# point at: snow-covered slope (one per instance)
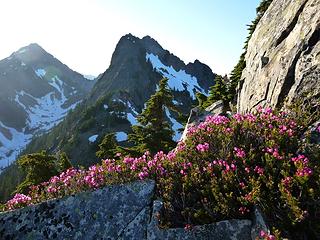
(178, 80)
(37, 91)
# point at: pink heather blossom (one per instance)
(286, 181)
(274, 152)
(247, 170)
(301, 159)
(188, 227)
(318, 128)
(304, 172)
(171, 155)
(217, 120)
(238, 117)
(239, 152)
(18, 199)
(191, 130)
(250, 117)
(203, 147)
(51, 189)
(242, 185)
(267, 110)
(243, 210)
(266, 236)
(259, 170)
(143, 175)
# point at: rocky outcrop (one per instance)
(283, 56)
(232, 229)
(125, 211)
(198, 115)
(116, 212)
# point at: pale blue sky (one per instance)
(83, 33)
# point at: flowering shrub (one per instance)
(19, 200)
(224, 168)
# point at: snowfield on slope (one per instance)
(47, 112)
(178, 81)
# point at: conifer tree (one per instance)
(218, 91)
(64, 162)
(154, 133)
(107, 147)
(39, 167)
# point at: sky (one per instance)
(83, 33)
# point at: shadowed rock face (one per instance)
(283, 61)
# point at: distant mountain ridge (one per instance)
(119, 95)
(113, 104)
(37, 91)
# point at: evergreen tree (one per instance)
(202, 99)
(154, 133)
(107, 147)
(39, 167)
(64, 162)
(218, 91)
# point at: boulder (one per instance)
(114, 212)
(225, 230)
(198, 115)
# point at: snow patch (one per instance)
(105, 106)
(121, 136)
(89, 77)
(23, 64)
(40, 72)
(93, 138)
(22, 50)
(132, 119)
(177, 103)
(132, 108)
(11, 148)
(178, 81)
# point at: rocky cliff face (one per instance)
(36, 92)
(283, 57)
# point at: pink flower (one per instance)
(304, 172)
(203, 147)
(259, 170)
(301, 158)
(188, 227)
(239, 152)
(18, 199)
(243, 210)
(287, 181)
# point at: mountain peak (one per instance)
(32, 47)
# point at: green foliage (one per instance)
(64, 162)
(218, 91)
(39, 167)
(202, 99)
(107, 147)
(87, 124)
(153, 131)
(222, 170)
